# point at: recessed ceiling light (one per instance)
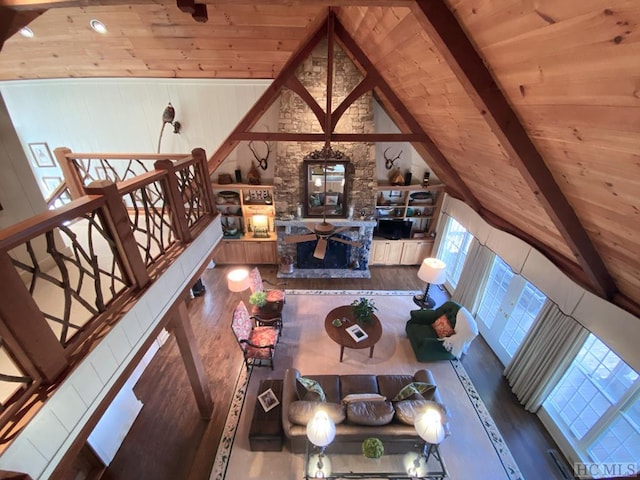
(98, 26)
(26, 32)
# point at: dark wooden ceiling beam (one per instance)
(293, 84)
(319, 31)
(40, 4)
(467, 64)
(11, 21)
(440, 165)
(363, 87)
(319, 137)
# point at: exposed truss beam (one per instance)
(39, 4)
(442, 166)
(452, 43)
(271, 94)
(320, 137)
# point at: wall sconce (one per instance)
(167, 117)
(260, 226)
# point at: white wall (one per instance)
(19, 193)
(125, 115)
(410, 160)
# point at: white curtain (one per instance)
(443, 222)
(473, 277)
(544, 355)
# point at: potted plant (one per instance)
(372, 447)
(259, 299)
(363, 309)
(286, 264)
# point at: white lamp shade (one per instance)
(429, 426)
(321, 430)
(238, 280)
(260, 221)
(433, 271)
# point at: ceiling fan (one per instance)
(323, 231)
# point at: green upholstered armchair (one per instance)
(424, 340)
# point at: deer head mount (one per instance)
(263, 162)
(389, 163)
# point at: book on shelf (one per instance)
(357, 333)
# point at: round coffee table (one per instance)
(342, 337)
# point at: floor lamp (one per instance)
(432, 271)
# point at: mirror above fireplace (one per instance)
(325, 187)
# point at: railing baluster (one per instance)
(27, 324)
(116, 218)
(71, 175)
(173, 195)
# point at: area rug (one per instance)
(475, 448)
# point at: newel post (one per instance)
(24, 319)
(117, 223)
(173, 196)
(201, 155)
(70, 172)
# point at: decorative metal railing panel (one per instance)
(116, 170)
(74, 270)
(84, 278)
(150, 221)
(13, 379)
(192, 188)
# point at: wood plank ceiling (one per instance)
(567, 74)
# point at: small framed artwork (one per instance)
(268, 400)
(395, 193)
(42, 155)
(331, 199)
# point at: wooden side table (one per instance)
(270, 315)
(265, 433)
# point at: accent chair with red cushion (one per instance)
(441, 334)
(257, 343)
(257, 285)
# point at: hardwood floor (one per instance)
(170, 441)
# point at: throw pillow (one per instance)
(408, 410)
(306, 386)
(301, 411)
(359, 397)
(443, 327)
(370, 413)
(413, 390)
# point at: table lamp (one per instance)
(432, 271)
(238, 280)
(321, 431)
(429, 426)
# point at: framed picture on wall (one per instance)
(331, 199)
(42, 155)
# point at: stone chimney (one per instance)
(296, 116)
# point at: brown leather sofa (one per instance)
(349, 436)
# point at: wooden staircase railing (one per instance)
(93, 255)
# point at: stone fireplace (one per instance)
(355, 265)
(296, 116)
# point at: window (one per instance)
(453, 250)
(596, 406)
(507, 310)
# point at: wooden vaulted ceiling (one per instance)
(529, 111)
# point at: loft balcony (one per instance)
(86, 289)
